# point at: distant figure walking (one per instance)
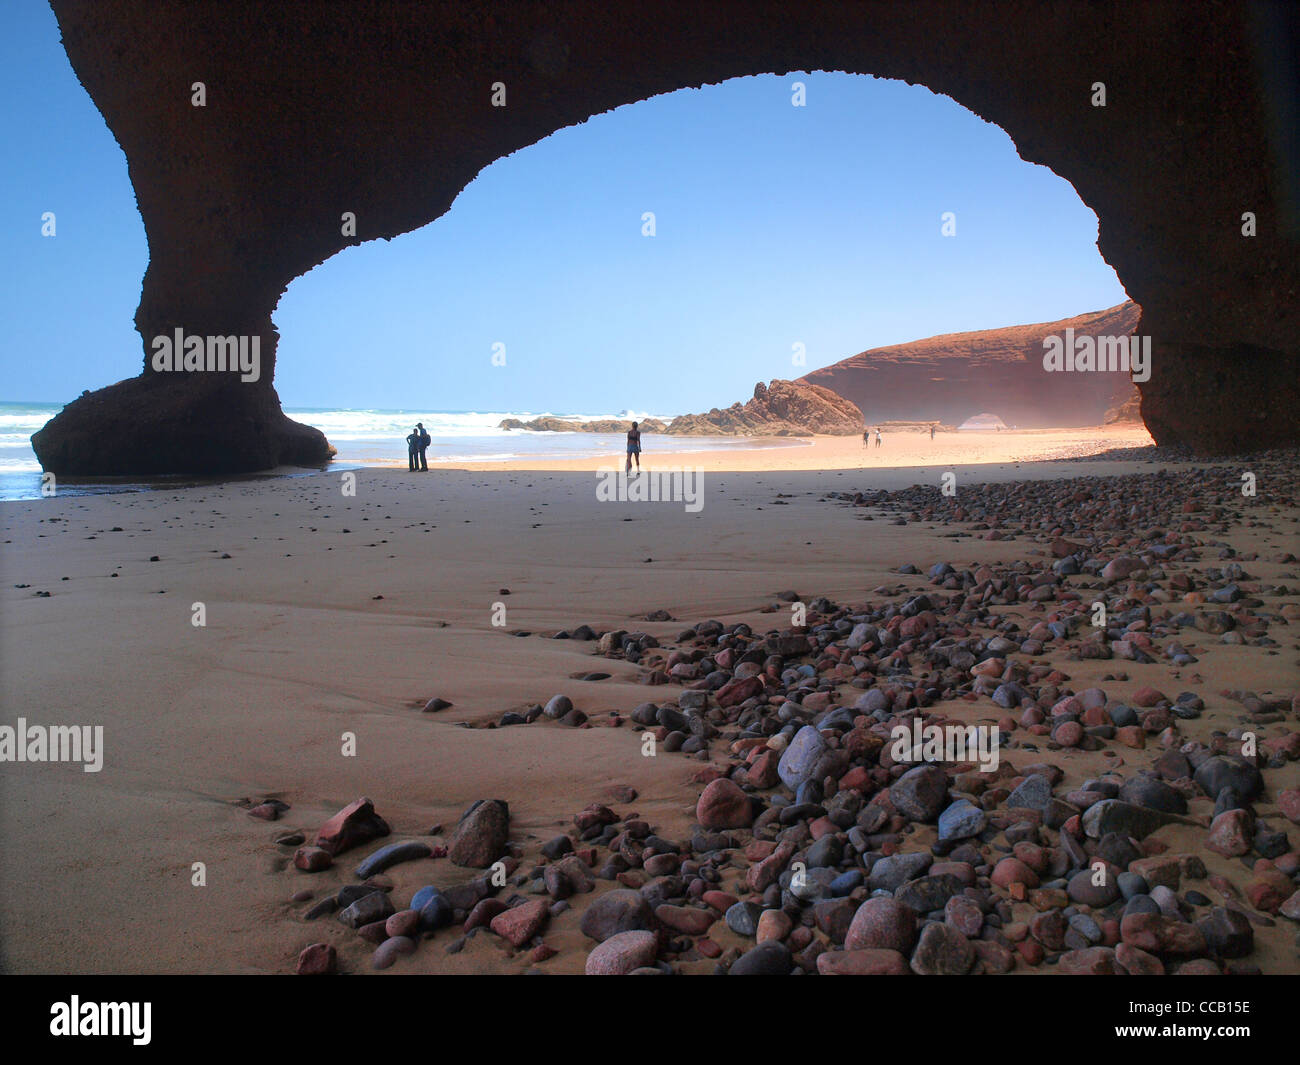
(866, 437)
(932, 432)
(634, 448)
(877, 436)
(425, 441)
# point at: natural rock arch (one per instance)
(385, 110)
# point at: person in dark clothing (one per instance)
(425, 441)
(634, 447)
(412, 450)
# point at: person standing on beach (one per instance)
(866, 437)
(424, 441)
(877, 436)
(634, 447)
(412, 449)
(932, 432)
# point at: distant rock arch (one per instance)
(983, 421)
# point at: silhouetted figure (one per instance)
(932, 432)
(634, 448)
(425, 441)
(413, 450)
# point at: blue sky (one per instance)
(775, 225)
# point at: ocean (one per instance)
(373, 438)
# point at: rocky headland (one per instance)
(949, 378)
(782, 408)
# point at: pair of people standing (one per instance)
(866, 438)
(416, 445)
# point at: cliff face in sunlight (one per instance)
(950, 378)
(383, 112)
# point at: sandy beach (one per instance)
(331, 616)
(897, 449)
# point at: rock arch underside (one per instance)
(384, 109)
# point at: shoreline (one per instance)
(834, 453)
(904, 450)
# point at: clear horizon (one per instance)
(775, 226)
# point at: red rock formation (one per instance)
(952, 377)
(783, 408)
(385, 110)
(1130, 410)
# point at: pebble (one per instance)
(767, 959)
(723, 805)
(920, 793)
(742, 918)
(617, 911)
(1227, 933)
(482, 913)
(942, 951)
(312, 859)
(800, 758)
(519, 924)
(355, 824)
(961, 820)
(1095, 888)
(375, 906)
(1219, 772)
(892, 871)
(391, 855)
(1090, 961)
(882, 923)
(622, 953)
(319, 959)
(866, 962)
(481, 835)
(688, 920)
(436, 911)
(390, 950)
(403, 923)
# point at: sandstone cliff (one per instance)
(952, 377)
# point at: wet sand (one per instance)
(329, 614)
